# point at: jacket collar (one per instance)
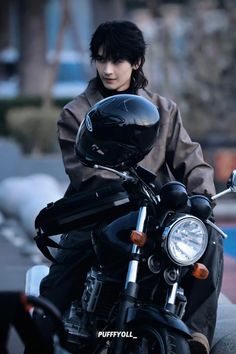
(93, 94)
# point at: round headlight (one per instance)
(186, 240)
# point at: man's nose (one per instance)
(108, 68)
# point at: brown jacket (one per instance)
(174, 155)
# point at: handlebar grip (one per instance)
(14, 309)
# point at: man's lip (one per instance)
(108, 79)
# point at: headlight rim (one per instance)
(167, 233)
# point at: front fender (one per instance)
(156, 317)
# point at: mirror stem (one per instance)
(221, 194)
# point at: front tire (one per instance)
(160, 340)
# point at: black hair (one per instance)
(121, 40)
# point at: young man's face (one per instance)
(114, 75)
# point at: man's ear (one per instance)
(137, 65)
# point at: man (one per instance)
(118, 50)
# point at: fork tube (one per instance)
(133, 264)
(131, 287)
(170, 306)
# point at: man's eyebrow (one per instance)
(114, 59)
(100, 57)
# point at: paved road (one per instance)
(13, 267)
(12, 274)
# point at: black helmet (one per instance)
(118, 131)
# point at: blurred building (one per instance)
(74, 64)
(191, 48)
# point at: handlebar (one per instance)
(214, 226)
(15, 311)
(123, 175)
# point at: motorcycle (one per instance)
(145, 243)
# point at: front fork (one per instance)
(133, 264)
(131, 287)
(176, 300)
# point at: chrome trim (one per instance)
(133, 264)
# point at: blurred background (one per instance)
(44, 63)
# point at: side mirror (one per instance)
(231, 184)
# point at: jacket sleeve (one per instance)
(68, 127)
(185, 159)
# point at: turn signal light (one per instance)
(27, 306)
(138, 238)
(200, 271)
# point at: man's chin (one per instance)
(110, 86)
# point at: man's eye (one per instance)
(101, 59)
(119, 61)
